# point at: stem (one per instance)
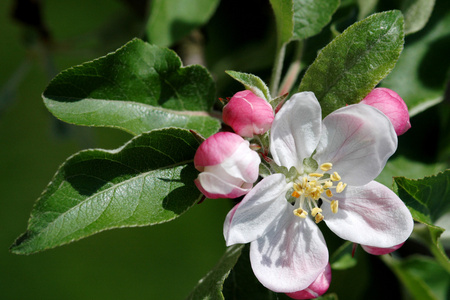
(293, 71)
(276, 71)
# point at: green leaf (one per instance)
(252, 83)
(210, 286)
(417, 13)
(349, 67)
(138, 88)
(310, 16)
(422, 276)
(150, 180)
(427, 200)
(170, 20)
(284, 17)
(421, 73)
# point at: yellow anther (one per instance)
(318, 175)
(300, 213)
(335, 176)
(312, 183)
(297, 187)
(329, 193)
(327, 184)
(315, 211)
(296, 194)
(318, 218)
(326, 166)
(334, 206)
(340, 187)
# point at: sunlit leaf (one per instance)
(150, 180)
(349, 67)
(138, 88)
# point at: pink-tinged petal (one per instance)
(296, 130)
(380, 251)
(259, 208)
(392, 105)
(215, 187)
(290, 256)
(357, 140)
(243, 164)
(216, 149)
(317, 288)
(248, 114)
(371, 215)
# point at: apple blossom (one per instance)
(315, 289)
(248, 114)
(228, 166)
(326, 171)
(392, 105)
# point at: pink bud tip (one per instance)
(227, 164)
(392, 105)
(317, 288)
(380, 251)
(248, 114)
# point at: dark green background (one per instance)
(160, 262)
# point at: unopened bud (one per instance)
(248, 114)
(392, 105)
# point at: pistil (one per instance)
(310, 187)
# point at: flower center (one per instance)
(308, 188)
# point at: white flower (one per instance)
(329, 167)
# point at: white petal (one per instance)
(214, 187)
(357, 140)
(259, 208)
(291, 255)
(244, 163)
(371, 215)
(296, 130)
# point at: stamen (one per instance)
(318, 175)
(326, 166)
(300, 213)
(315, 211)
(329, 193)
(295, 194)
(327, 184)
(335, 177)
(340, 187)
(318, 218)
(334, 206)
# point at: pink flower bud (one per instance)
(317, 288)
(392, 105)
(227, 164)
(380, 251)
(248, 114)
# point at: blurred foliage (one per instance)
(42, 38)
